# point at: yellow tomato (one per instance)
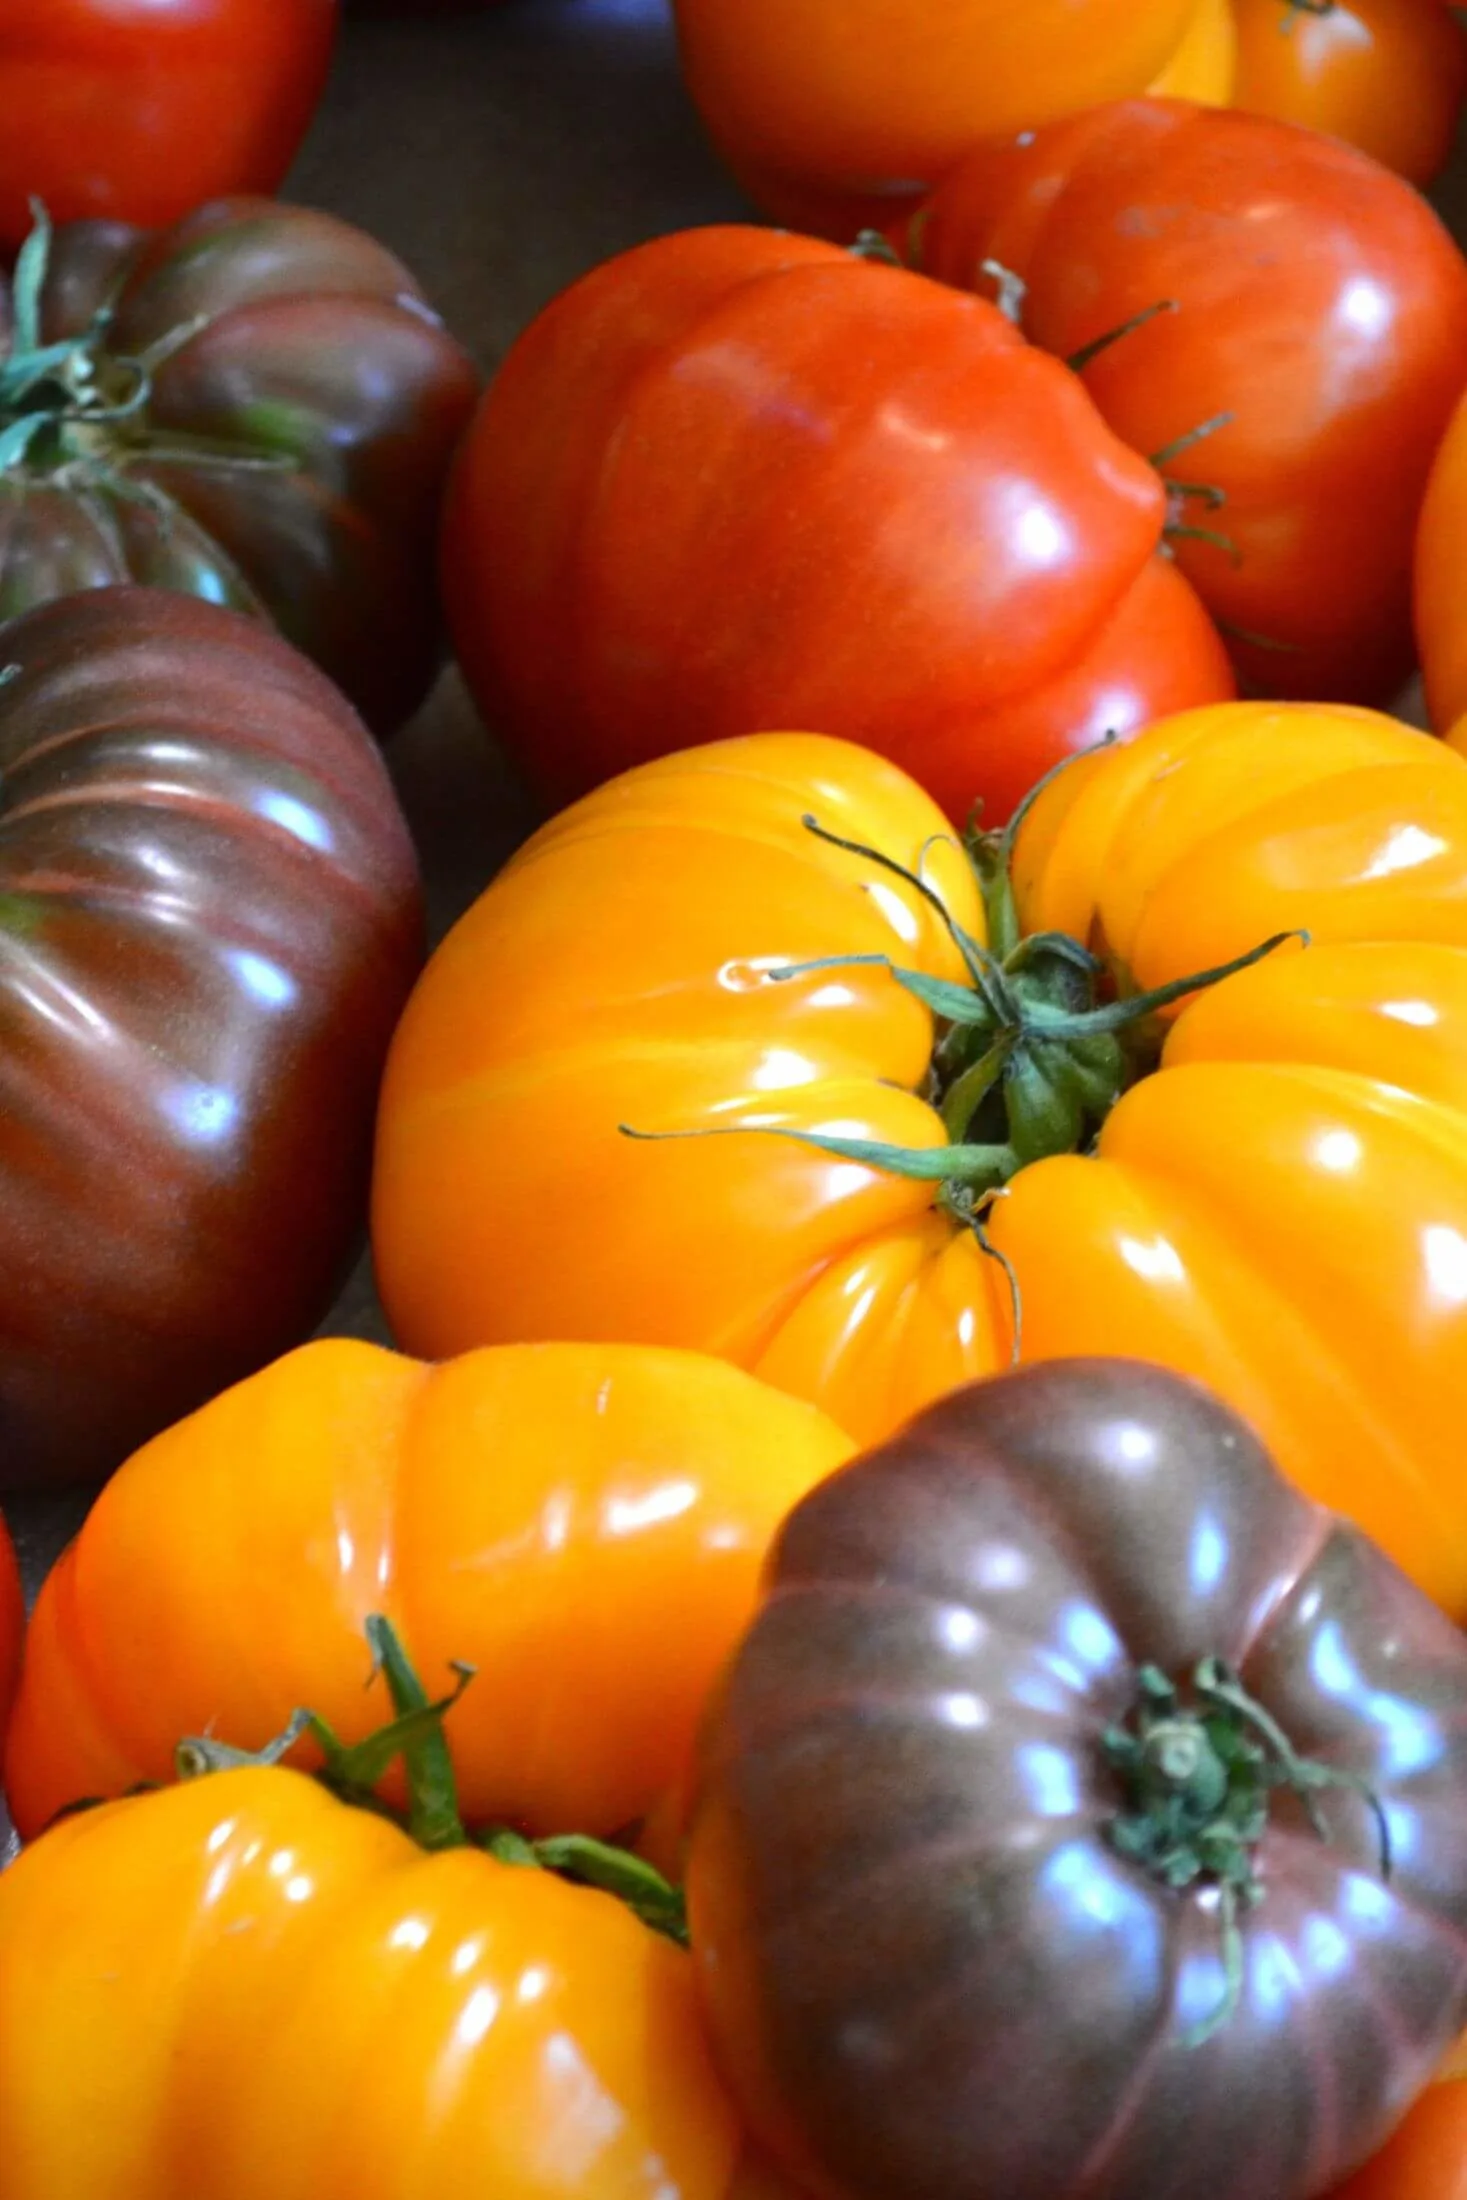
(242, 1989)
(1203, 64)
(1280, 1209)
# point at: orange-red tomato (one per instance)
(242, 1988)
(1441, 577)
(1318, 326)
(1427, 2158)
(733, 476)
(137, 110)
(1280, 1210)
(12, 1622)
(1386, 75)
(584, 1524)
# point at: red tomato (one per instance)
(1321, 322)
(139, 109)
(1427, 2158)
(735, 479)
(11, 1625)
(1441, 578)
(1387, 75)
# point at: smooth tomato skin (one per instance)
(1203, 65)
(1159, 654)
(136, 110)
(733, 476)
(210, 918)
(1427, 2158)
(244, 1972)
(556, 1516)
(1440, 586)
(1388, 76)
(831, 113)
(887, 1897)
(12, 1627)
(617, 973)
(1320, 304)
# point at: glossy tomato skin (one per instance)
(12, 1624)
(1304, 1111)
(779, 483)
(1440, 591)
(1320, 311)
(1427, 2157)
(927, 1967)
(832, 114)
(251, 1969)
(1388, 76)
(209, 919)
(136, 110)
(290, 457)
(556, 1516)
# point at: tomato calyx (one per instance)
(75, 411)
(600, 1864)
(1198, 1779)
(353, 1772)
(1032, 1053)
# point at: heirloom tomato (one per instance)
(245, 1973)
(1085, 1812)
(256, 407)
(12, 1621)
(135, 110)
(1294, 324)
(839, 114)
(780, 936)
(209, 920)
(1386, 75)
(1441, 577)
(1427, 2158)
(584, 1524)
(833, 112)
(734, 478)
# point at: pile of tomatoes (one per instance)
(892, 1627)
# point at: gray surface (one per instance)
(501, 155)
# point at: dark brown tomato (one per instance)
(209, 920)
(264, 419)
(936, 1957)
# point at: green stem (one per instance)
(416, 1735)
(1087, 354)
(600, 1864)
(1197, 1780)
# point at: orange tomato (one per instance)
(1280, 1210)
(1387, 75)
(244, 1988)
(832, 112)
(1427, 2158)
(838, 114)
(1441, 577)
(583, 1524)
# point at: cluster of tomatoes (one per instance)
(894, 1628)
